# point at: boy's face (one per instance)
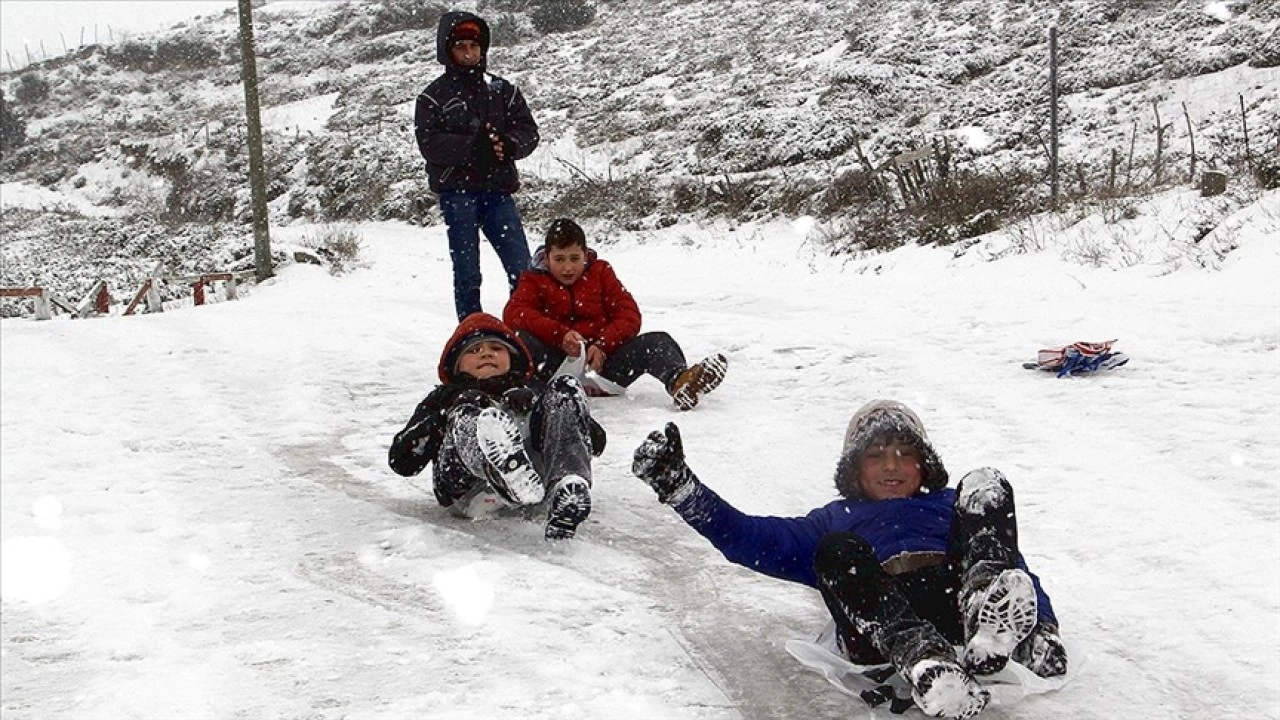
(465, 52)
(890, 469)
(485, 359)
(567, 264)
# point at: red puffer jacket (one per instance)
(597, 306)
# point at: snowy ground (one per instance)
(198, 521)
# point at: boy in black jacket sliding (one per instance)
(470, 428)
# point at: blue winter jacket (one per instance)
(785, 547)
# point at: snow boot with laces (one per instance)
(942, 688)
(570, 504)
(698, 380)
(997, 619)
(513, 476)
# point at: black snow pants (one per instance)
(562, 439)
(654, 353)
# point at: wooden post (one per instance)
(154, 303)
(98, 300)
(1244, 120)
(257, 171)
(1158, 172)
(38, 294)
(1128, 172)
(43, 311)
(1053, 117)
(1191, 135)
(138, 297)
(197, 292)
(1111, 172)
(102, 301)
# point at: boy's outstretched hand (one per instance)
(659, 461)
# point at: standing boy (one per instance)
(471, 127)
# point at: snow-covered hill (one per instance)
(660, 109)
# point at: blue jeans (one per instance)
(466, 214)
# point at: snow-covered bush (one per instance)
(338, 245)
(555, 16)
(13, 130)
(31, 89)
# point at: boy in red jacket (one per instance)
(570, 302)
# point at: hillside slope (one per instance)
(656, 112)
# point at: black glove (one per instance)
(1042, 652)
(519, 399)
(659, 461)
(472, 397)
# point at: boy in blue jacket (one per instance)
(908, 567)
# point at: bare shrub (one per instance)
(795, 197)
(13, 129)
(850, 189)
(688, 195)
(505, 31)
(31, 89)
(879, 231)
(339, 245)
(616, 199)
(555, 16)
(972, 204)
(735, 197)
(396, 15)
(178, 52)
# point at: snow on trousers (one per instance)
(655, 353)
(916, 615)
(465, 215)
(559, 442)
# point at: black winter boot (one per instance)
(997, 600)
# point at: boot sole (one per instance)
(514, 477)
(710, 373)
(1005, 618)
(570, 506)
(944, 689)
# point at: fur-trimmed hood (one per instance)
(482, 325)
(880, 420)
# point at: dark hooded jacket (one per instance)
(785, 547)
(418, 444)
(451, 114)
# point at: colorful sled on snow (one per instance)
(1080, 357)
